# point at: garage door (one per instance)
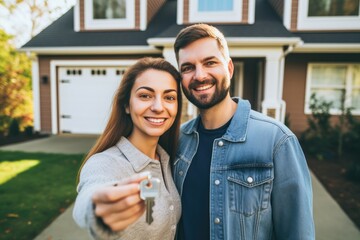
(85, 96)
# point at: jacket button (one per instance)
(217, 220)
(221, 143)
(217, 182)
(181, 173)
(250, 179)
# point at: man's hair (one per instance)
(195, 32)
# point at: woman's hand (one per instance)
(120, 205)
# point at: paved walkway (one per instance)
(331, 222)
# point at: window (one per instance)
(330, 82)
(333, 8)
(109, 14)
(329, 15)
(215, 10)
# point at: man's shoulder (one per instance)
(268, 122)
(188, 125)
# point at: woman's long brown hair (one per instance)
(120, 123)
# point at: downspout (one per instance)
(281, 82)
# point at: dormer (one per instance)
(100, 15)
(319, 15)
(215, 11)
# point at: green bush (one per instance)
(14, 129)
(320, 137)
(29, 130)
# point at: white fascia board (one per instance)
(163, 42)
(92, 50)
(327, 48)
(255, 41)
(235, 41)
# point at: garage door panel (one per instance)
(85, 99)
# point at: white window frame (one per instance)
(100, 24)
(325, 23)
(212, 16)
(348, 87)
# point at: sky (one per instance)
(18, 22)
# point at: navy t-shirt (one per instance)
(195, 220)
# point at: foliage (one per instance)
(14, 129)
(15, 86)
(319, 138)
(26, 18)
(328, 141)
(38, 188)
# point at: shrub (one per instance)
(14, 129)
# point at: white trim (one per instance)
(78, 63)
(347, 86)
(328, 48)
(100, 50)
(287, 14)
(143, 15)
(180, 12)
(239, 85)
(235, 41)
(101, 24)
(251, 10)
(224, 16)
(36, 93)
(77, 16)
(304, 22)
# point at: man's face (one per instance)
(205, 73)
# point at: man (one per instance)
(241, 175)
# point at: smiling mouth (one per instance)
(155, 120)
(204, 87)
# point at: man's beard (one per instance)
(206, 101)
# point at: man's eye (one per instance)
(210, 63)
(186, 69)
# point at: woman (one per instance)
(140, 138)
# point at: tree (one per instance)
(26, 18)
(15, 86)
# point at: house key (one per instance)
(149, 190)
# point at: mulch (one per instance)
(332, 175)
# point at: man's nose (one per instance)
(200, 74)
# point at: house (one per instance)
(283, 51)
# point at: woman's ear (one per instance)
(127, 110)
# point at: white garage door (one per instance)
(85, 97)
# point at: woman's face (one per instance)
(153, 103)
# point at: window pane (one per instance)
(215, 5)
(325, 75)
(356, 76)
(333, 8)
(328, 95)
(355, 99)
(109, 9)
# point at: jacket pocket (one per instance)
(249, 187)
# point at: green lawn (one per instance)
(34, 189)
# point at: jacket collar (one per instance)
(237, 129)
(136, 158)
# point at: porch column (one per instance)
(273, 105)
(36, 92)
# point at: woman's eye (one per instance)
(144, 96)
(170, 98)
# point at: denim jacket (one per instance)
(260, 182)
